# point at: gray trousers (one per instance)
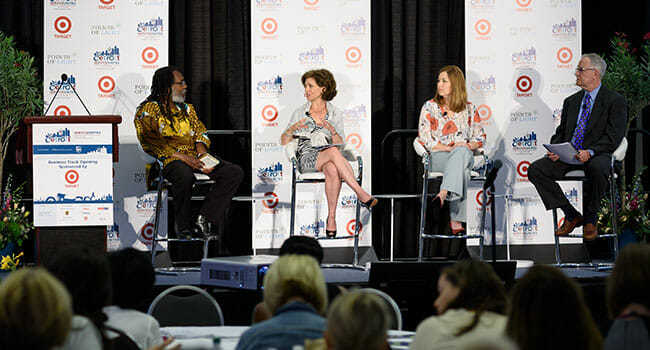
(455, 166)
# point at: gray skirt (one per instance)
(307, 156)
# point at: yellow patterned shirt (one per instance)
(161, 136)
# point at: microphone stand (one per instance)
(56, 93)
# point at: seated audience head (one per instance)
(295, 278)
(35, 310)
(324, 79)
(302, 245)
(471, 285)
(133, 278)
(628, 287)
(548, 311)
(458, 96)
(357, 320)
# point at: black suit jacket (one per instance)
(607, 122)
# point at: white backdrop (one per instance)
(287, 39)
(520, 61)
(109, 49)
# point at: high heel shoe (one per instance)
(370, 203)
(330, 233)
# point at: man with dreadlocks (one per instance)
(169, 129)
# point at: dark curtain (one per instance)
(411, 41)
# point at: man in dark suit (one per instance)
(594, 120)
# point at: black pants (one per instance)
(543, 173)
(227, 177)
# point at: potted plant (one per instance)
(633, 221)
(20, 91)
(15, 223)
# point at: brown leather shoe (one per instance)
(568, 226)
(590, 232)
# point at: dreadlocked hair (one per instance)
(161, 90)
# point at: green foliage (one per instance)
(14, 220)
(632, 209)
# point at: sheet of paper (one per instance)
(565, 150)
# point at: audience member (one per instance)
(628, 299)
(357, 321)
(133, 280)
(471, 302)
(35, 311)
(295, 293)
(548, 311)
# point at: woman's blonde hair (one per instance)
(35, 310)
(458, 97)
(293, 276)
(357, 320)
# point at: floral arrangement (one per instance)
(14, 219)
(10, 262)
(632, 211)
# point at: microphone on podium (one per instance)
(492, 175)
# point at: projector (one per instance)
(241, 272)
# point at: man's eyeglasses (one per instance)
(182, 82)
(582, 69)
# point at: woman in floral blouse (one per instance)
(450, 129)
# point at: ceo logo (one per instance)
(269, 113)
(479, 198)
(106, 84)
(484, 112)
(146, 232)
(351, 226)
(150, 55)
(353, 54)
(522, 168)
(272, 202)
(564, 55)
(524, 83)
(71, 176)
(482, 27)
(354, 139)
(62, 24)
(269, 26)
(62, 110)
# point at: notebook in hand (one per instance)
(209, 161)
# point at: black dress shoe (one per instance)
(370, 203)
(203, 226)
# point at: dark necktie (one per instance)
(582, 123)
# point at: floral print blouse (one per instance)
(437, 127)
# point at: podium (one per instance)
(72, 160)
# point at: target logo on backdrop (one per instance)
(272, 202)
(351, 226)
(482, 28)
(524, 84)
(522, 171)
(62, 110)
(269, 115)
(106, 5)
(484, 112)
(150, 55)
(479, 198)
(71, 177)
(564, 55)
(524, 5)
(354, 139)
(353, 54)
(62, 26)
(269, 26)
(106, 85)
(311, 2)
(146, 232)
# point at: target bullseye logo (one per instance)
(482, 27)
(269, 26)
(146, 232)
(351, 226)
(479, 197)
(106, 2)
(353, 54)
(524, 83)
(484, 112)
(524, 3)
(62, 110)
(270, 203)
(106, 84)
(269, 113)
(354, 139)
(150, 55)
(564, 55)
(522, 168)
(62, 24)
(71, 177)
(311, 2)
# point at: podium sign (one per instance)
(73, 166)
